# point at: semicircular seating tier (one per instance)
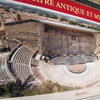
(20, 64)
(4, 72)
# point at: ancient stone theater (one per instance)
(54, 39)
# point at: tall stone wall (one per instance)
(51, 40)
(26, 31)
(60, 41)
(97, 43)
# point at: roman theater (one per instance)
(47, 50)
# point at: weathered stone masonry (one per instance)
(53, 39)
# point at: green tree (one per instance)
(64, 19)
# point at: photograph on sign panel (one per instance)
(42, 52)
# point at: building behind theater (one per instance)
(54, 39)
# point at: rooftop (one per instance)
(51, 23)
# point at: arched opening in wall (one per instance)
(73, 37)
(74, 41)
